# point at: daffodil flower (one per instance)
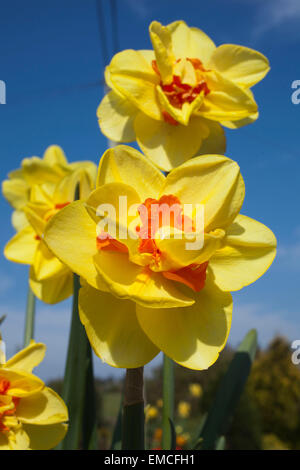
(32, 416)
(174, 99)
(35, 171)
(143, 294)
(50, 280)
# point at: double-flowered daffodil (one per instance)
(174, 99)
(35, 171)
(148, 292)
(49, 279)
(32, 416)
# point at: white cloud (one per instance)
(140, 7)
(274, 13)
(268, 324)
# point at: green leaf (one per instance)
(133, 429)
(173, 435)
(229, 392)
(116, 441)
(221, 443)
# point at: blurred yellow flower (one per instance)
(195, 390)
(32, 416)
(159, 403)
(50, 280)
(151, 412)
(184, 409)
(147, 292)
(35, 171)
(174, 99)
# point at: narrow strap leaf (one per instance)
(229, 392)
(116, 441)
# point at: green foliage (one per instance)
(275, 386)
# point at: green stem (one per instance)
(90, 421)
(168, 402)
(78, 387)
(133, 425)
(30, 315)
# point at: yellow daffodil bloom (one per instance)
(195, 390)
(49, 279)
(148, 292)
(151, 412)
(174, 100)
(32, 416)
(35, 171)
(184, 409)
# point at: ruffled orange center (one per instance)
(179, 93)
(154, 214)
(8, 405)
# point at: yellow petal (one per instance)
(113, 329)
(184, 114)
(176, 255)
(28, 358)
(45, 407)
(45, 437)
(22, 384)
(52, 289)
(240, 64)
(54, 155)
(19, 440)
(16, 191)
(66, 188)
(193, 336)
(22, 247)
(249, 250)
(71, 235)
(190, 42)
(127, 280)
(46, 264)
(116, 115)
(186, 72)
(162, 44)
(215, 143)
(124, 164)
(241, 123)
(42, 193)
(167, 145)
(212, 180)
(19, 220)
(38, 171)
(133, 77)
(226, 100)
(34, 214)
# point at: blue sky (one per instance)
(51, 62)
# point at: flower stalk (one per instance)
(30, 317)
(168, 402)
(133, 432)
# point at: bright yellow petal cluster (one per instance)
(174, 100)
(35, 171)
(132, 302)
(32, 416)
(50, 185)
